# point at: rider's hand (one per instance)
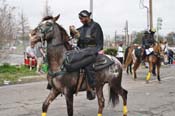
(75, 33)
(72, 28)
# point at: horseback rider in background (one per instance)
(148, 42)
(89, 35)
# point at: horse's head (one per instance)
(49, 30)
(160, 48)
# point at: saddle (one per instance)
(102, 61)
(76, 60)
(138, 53)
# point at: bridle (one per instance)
(44, 28)
(49, 27)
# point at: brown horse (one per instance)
(152, 59)
(57, 44)
(128, 59)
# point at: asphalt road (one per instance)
(153, 99)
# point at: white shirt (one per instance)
(30, 51)
(120, 52)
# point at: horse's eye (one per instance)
(48, 24)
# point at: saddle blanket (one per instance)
(149, 51)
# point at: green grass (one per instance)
(13, 73)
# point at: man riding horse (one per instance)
(65, 83)
(148, 42)
(90, 35)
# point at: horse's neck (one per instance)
(55, 53)
(157, 48)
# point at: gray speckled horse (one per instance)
(57, 44)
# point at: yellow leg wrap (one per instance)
(99, 115)
(43, 114)
(125, 110)
(148, 76)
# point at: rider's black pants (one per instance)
(90, 75)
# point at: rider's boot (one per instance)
(90, 92)
(90, 77)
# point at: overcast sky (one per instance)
(110, 14)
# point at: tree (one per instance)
(171, 38)
(7, 23)
(23, 28)
(138, 39)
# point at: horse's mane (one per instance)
(47, 18)
(63, 31)
(64, 34)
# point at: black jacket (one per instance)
(148, 40)
(91, 35)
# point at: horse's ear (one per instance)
(56, 18)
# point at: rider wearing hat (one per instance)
(148, 41)
(89, 35)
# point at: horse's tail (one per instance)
(126, 61)
(115, 87)
(126, 54)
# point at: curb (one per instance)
(26, 79)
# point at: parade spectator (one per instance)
(40, 54)
(30, 51)
(120, 53)
(170, 56)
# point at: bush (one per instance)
(111, 51)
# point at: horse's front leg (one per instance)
(136, 65)
(149, 73)
(69, 102)
(101, 100)
(130, 68)
(158, 72)
(52, 95)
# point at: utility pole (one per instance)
(126, 34)
(151, 14)
(91, 8)
(115, 38)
